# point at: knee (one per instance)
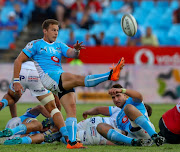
(99, 127)
(78, 79)
(128, 108)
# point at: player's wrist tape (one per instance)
(123, 90)
(16, 80)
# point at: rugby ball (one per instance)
(129, 25)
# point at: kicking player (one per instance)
(47, 54)
(132, 119)
(169, 125)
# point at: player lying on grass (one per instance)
(26, 128)
(86, 129)
(132, 119)
(47, 54)
(169, 125)
(87, 133)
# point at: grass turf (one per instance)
(158, 110)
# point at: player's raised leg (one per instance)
(70, 80)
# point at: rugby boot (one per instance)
(6, 133)
(158, 140)
(75, 145)
(141, 142)
(115, 71)
(14, 141)
(53, 137)
(47, 122)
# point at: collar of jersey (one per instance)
(47, 42)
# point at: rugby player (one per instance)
(169, 125)
(21, 130)
(46, 54)
(132, 119)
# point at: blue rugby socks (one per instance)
(19, 130)
(93, 80)
(113, 135)
(26, 140)
(63, 131)
(143, 123)
(71, 125)
(5, 103)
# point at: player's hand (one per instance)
(18, 88)
(78, 46)
(85, 114)
(114, 91)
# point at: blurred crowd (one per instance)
(92, 21)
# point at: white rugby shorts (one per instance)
(29, 79)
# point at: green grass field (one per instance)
(158, 110)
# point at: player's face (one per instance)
(51, 33)
(119, 99)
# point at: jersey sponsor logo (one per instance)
(93, 131)
(33, 79)
(42, 90)
(124, 119)
(21, 77)
(55, 59)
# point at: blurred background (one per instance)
(152, 56)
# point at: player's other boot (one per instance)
(158, 140)
(115, 71)
(47, 122)
(53, 137)
(14, 141)
(6, 133)
(75, 145)
(141, 142)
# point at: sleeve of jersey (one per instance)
(29, 49)
(64, 49)
(130, 101)
(113, 109)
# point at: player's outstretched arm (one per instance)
(17, 68)
(74, 52)
(96, 111)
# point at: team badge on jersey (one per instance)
(124, 119)
(29, 46)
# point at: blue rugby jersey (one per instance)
(47, 59)
(122, 120)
